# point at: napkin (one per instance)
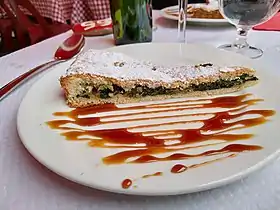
(271, 25)
(94, 28)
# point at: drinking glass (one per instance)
(182, 20)
(245, 14)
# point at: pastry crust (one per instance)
(74, 102)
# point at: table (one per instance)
(75, 11)
(27, 185)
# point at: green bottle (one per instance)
(132, 21)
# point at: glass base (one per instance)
(249, 51)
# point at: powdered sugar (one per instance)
(227, 69)
(123, 67)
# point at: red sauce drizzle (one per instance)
(151, 175)
(126, 183)
(180, 168)
(232, 108)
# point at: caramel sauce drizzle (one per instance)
(145, 146)
(220, 123)
(126, 183)
(180, 168)
(152, 175)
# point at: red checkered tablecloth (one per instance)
(76, 11)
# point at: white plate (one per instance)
(80, 163)
(204, 21)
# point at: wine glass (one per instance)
(182, 20)
(245, 14)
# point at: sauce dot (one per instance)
(126, 183)
(178, 168)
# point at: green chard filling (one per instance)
(108, 91)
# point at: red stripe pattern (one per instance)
(76, 11)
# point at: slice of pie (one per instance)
(98, 77)
(201, 12)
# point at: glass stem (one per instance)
(153, 17)
(241, 39)
(182, 20)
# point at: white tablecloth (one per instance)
(27, 185)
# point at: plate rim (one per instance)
(212, 185)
